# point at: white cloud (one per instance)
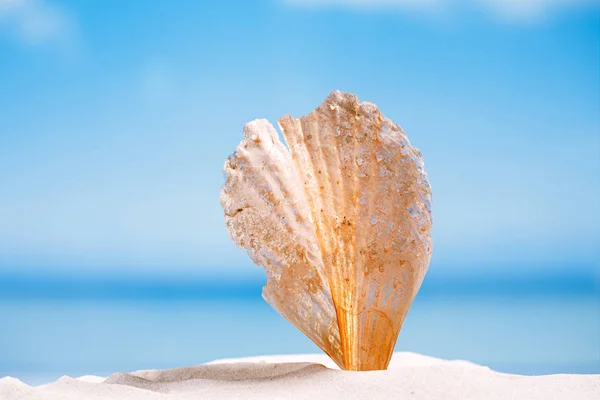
(367, 3)
(505, 9)
(530, 9)
(35, 21)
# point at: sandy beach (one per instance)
(410, 376)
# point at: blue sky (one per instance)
(116, 118)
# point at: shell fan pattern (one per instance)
(340, 219)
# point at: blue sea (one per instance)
(54, 326)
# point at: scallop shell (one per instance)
(340, 220)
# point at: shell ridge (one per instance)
(367, 273)
(329, 212)
(253, 192)
(319, 218)
(301, 142)
(319, 173)
(317, 123)
(394, 139)
(266, 242)
(348, 187)
(301, 149)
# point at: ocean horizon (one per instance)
(111, 285)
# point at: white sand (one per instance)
(410, 376)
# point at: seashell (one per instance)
(340, 220)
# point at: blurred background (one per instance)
(116, 118)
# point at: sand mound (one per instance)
(312, 377)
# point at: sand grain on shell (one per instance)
(410, 376)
